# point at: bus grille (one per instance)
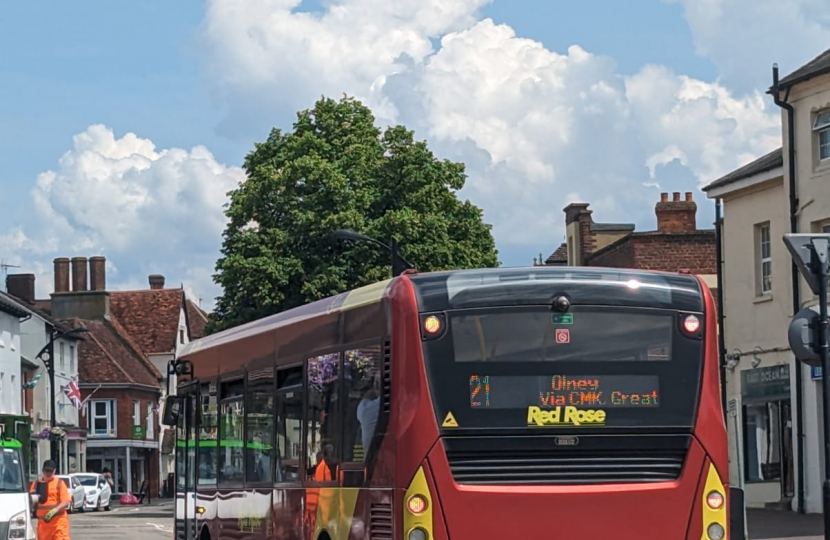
(380, 522)
(571, 466)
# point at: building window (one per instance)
(71, 359)
(63, 357)
(136, 413)
(151, 425)
(102, 422)
(822, 129)
(181, 336)
(763, 256)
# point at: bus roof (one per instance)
(541, 284)
(353, 299)
(458, 289)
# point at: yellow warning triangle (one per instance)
(449, 421)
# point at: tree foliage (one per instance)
(338, 170)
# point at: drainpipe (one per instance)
(721, 326)
(799, 429)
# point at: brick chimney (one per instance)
(97, 273)
(676, 216)
(585, 240)
(21, 286)
(156, 281)
(61, 274)
(79, 274)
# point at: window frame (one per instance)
(761, 260)
(821, 127)
(110, 416)
(279, 395)
(199, 395)
(252, 388)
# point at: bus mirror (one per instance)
(172, 408)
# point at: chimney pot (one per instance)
(664, 197)
(79, 274)
(156, 281)
(676, 216)
(97, 273)
(21, 286)
(61, 265)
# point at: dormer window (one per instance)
(822, 128)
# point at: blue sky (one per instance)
(215, 76)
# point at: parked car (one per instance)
(76, 490)
(98, 491)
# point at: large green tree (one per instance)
(338, 170)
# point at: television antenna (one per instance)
(5, 268)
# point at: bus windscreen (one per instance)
(594, 366)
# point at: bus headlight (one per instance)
(417, 511)
(714, 500)
(715, 531)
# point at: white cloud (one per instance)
(146, 210)
(534, 126)
(745, 37)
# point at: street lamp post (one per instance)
(47, 355)
(399, 264)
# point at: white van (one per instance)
(16, 502)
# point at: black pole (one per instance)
(825, 366)
(799, 383)
(721, 326)
(53, 420)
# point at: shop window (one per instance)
(768, 443)
(289, 424)
(231, 427)
(324, 418)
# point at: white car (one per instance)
(98, 491)
(76, 491)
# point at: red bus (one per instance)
(461, 405)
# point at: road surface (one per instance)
(124, 523)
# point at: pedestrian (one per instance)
(53, 521)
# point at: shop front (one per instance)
(131, 462)
(768, 462)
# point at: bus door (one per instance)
(186, 463)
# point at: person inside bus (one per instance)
(325, 469)
(367, 414)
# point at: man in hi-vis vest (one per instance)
(54, 498)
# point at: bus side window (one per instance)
(208, 435)
(289, 426)
(232, 411)
(259, 425)
(324, 418)
(363, 387)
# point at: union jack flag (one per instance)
(73, 392)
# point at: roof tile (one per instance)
(151, 316)
(107, 355)
(197, 319)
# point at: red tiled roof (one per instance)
(560, 255)
(109, 355)
(196, 319)
(151, 316)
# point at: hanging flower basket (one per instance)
(54, 434)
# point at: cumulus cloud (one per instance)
(147, 210)
(744, 37)
(537, 128)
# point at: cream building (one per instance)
(774, 403)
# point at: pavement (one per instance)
(134, 522)
(784, 525)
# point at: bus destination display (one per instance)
(545, 391)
